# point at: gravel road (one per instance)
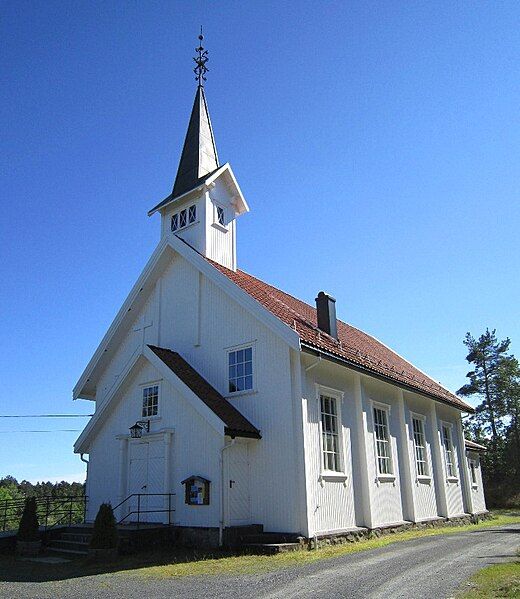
(431, 567)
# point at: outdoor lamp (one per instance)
(136, 431)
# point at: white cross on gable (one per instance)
(142, 326)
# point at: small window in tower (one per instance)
(182, 218)
(192, 214)
(220, 216)
(175, 222)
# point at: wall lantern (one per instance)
(136, 431)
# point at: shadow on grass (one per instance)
(13, 569)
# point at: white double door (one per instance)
(146, 480)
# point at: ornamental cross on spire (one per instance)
(201, 69)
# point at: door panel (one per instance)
(146, 475)
(239, 501)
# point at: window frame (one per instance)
(473, 464)
(148, 385)
(421, 418)
(228, 350)
(451, 473)
(188, 223)
(337, 395)
(386, 409)
(216, 221)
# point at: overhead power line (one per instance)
(46, 416)
(59, 430)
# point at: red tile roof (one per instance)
(357, 348)
(236, 425)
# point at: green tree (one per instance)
(104, 533)
(29, 526)
(509, 387)
(495, 381)
(488, 357)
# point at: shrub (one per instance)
(105, 535)
(28, 530)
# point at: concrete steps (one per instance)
(271, 548)
(270, 543)
(71, 542)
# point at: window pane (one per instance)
(192, 214)
(182, 218)
(249, 382)
(232, 357)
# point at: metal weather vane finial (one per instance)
(201, 69)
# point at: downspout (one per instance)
(86, 483)
(222, 492)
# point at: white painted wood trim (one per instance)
(361, 434)
(405, 464)
(464, 469)
(213, 274)
(438, 463)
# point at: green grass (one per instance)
(493, 582)
(255, 564)
(178, 563)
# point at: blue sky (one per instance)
(377, 144)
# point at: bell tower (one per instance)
(205, 199)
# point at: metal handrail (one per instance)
(139, 511)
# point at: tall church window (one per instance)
(383, 450)
(447, 444)
(419, 442)
(150, 401)
(220, 216)
(330, 433)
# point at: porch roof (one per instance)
(236, 425)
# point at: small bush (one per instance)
(28, 530)
(105, 535)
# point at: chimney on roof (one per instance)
(326, 309)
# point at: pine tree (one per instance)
(488, 356)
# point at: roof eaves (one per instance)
(366, 370)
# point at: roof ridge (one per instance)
(427, 377)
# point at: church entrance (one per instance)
(237, 485)
(146, 477)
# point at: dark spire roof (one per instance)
(199, 154)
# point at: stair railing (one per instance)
(139, 511)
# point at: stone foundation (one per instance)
(197, 536)
(352, 536)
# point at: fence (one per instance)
(51, 511)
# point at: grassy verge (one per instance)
(166, 564)
(255, 564)
(497, 581)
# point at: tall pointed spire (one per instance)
(199, 153)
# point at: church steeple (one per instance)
(206, 199)
(199, 153)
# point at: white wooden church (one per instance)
(222, 401)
